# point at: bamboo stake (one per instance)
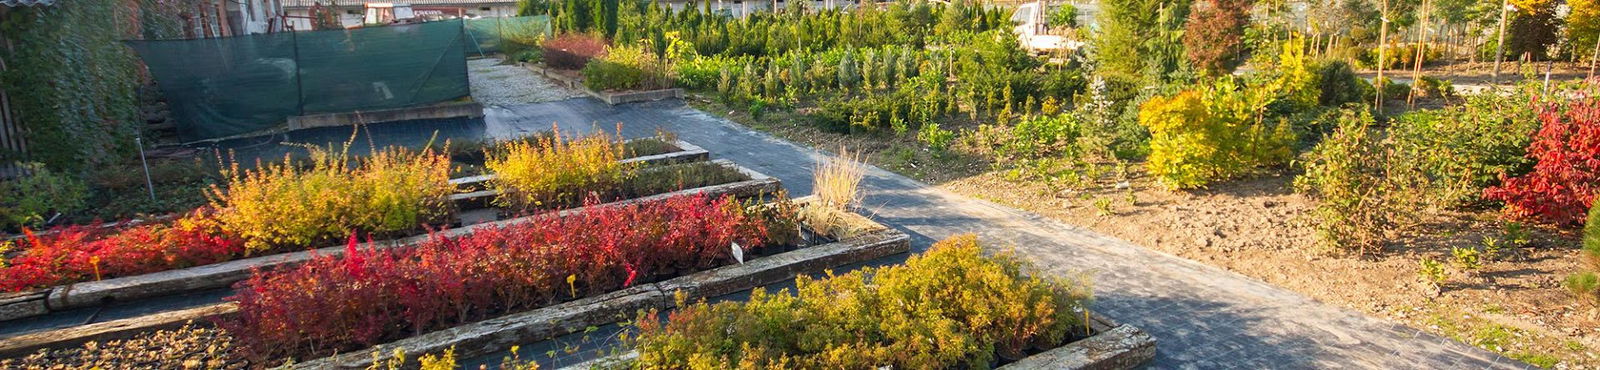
(1383, 37)
(1422, 45)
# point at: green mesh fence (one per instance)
(235, 85)
(506, 34)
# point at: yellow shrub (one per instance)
(951, 307)
(550, 171)
(1216, 133)
(285, 204)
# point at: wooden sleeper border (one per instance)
(223, 274)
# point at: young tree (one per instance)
(1123, 43)
(1066, 16)
(1213, 37)
(1533, 28)
(1583, 25)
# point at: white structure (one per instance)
(251, 16)
(354, 13)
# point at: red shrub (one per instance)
(572, 50)
(72, 254)
(368, 296)
(1566, 176)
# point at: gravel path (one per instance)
(498, 84)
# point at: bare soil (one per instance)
(1514, 304)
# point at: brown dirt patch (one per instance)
(1514, 304)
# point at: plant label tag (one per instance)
(738, 253)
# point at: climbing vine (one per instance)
(72, 83)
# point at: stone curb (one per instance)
(1112, 347)
(497, 334)
(223, 274)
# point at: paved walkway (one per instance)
(1202, 317)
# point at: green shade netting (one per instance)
(493, 35)
(229, 86)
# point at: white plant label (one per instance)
(738, 253)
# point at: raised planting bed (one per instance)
(574, 81)
(663, 149)
(779, 233)
(810, 253)
(1113, 346)
(862, 240)
(984, 311)
(645, 181)
(223, 274)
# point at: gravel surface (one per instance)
(498, 84)
(186, 348)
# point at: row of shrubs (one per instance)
(278, 206)
(951, 307)
(1396, 56)
(292, 205)
(367, 297)
(611, 67)
(864, 74)
(1536, 155)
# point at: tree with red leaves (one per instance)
(1566, 177)
(1214, 35)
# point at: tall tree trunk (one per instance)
(1500, 45)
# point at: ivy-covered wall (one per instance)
(72, 83)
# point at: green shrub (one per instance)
(950, 307)
(1360, 190)
(30, 200)
(1432, 272)
(1390, 89)
(530, 56)
(1064, 16)
(1216, 133)
(1466, 148)
(1432, 87)
(627, 68)
(1042, 136)
(1339, 84)
(934, 137)
(1586, 285)
(705, 72)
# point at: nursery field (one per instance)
(1459, 214)
(913, 184)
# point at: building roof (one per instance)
(359, 3)
(21, 3)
